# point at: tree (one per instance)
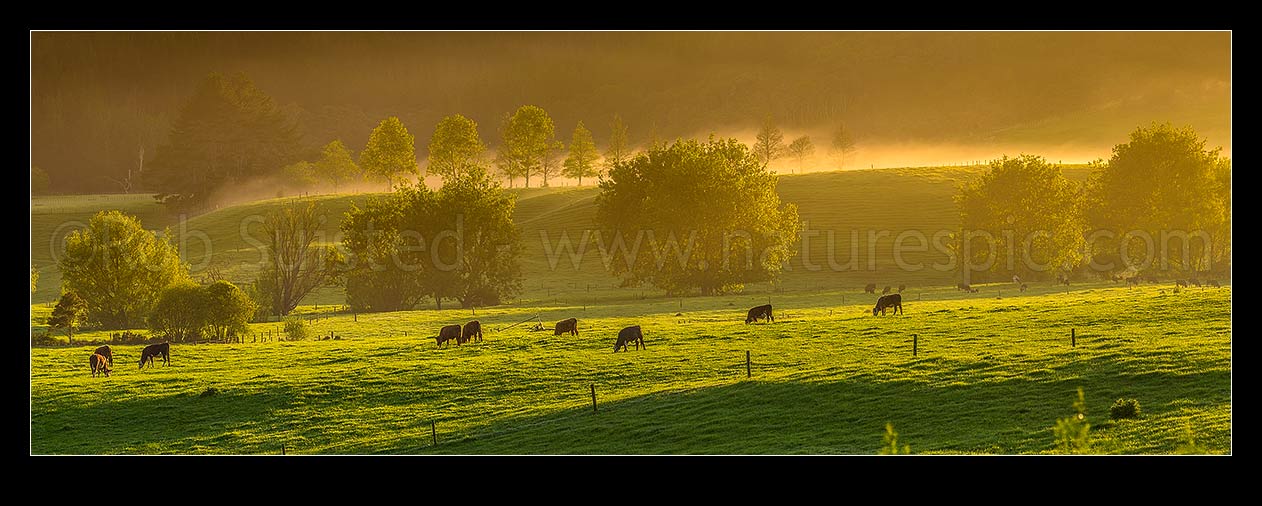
(227, 132)
(457, 243)
(68, 314)
(119, 268)
(583, 154)
(294, 264)
(714, 202)
(336, 165)
(548, 168)
(619, 148)
(1164, 181)
(770, 142)
(454, 146)
(528, 136)
(228, 310)
(390, 151)
(301, 174)
(181, 313)
(801, 148)
(843, 143)
(1030, 212)
(39, 181)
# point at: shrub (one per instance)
(296, 329)
(1073, 433)
(1124, 408)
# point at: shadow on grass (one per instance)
(1013, 415)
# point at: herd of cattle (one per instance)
(102, 360)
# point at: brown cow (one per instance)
(472, 332)
(1024, 287)
(871, 288)
(887, 301)
(628, 335)
(568, 325)
(154, 350)
(887, 290)
(104, 351)
(448, 333)
(759, 312)
(901, 288)
(99, 363)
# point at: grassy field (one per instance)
(992, 375)
(841, 202)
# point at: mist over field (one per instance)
(910, 99)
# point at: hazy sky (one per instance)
(912, 98)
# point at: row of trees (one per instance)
(1163, 184)
(769, 145)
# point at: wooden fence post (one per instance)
(593, 397)
(433, 432)
(747, 373)
(915, 344)
(1073, 338)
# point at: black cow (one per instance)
(154, 350)
(901, 288)
(472, 331)
(104, 351)
(887, 301)
(1133, 280)
(568, 325)
(629, 335)
(1195, 282)
(759, 312)
(1214, 283)
(887, 290)
(1181, 282)
(448, 333)
(871, 288)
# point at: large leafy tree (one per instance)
(336, 165)
(390, 151)
(181, 313)
(528, 137)
(769, 144)
(582, 160)
(1030, 211)
(227, 132)
(68, 314)
(708, 213)
(1163, 180)
(457, 243)
(119, 268)
(454, 145)
(294, 263)
(228, 310)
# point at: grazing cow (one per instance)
(887, 290)
(104, 351)
(629, 335)
(1023, 287)
(1195, 282)
(568, 325)
(885, 302)
(963, 287)
(99, 364)
(871, 288)
(1214, 283)
(1133, 280)
(759, 312)
(901, 288)
(472, 332)
(448, 333)
(1181, 282)
(1016, 280)
(153, 350)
